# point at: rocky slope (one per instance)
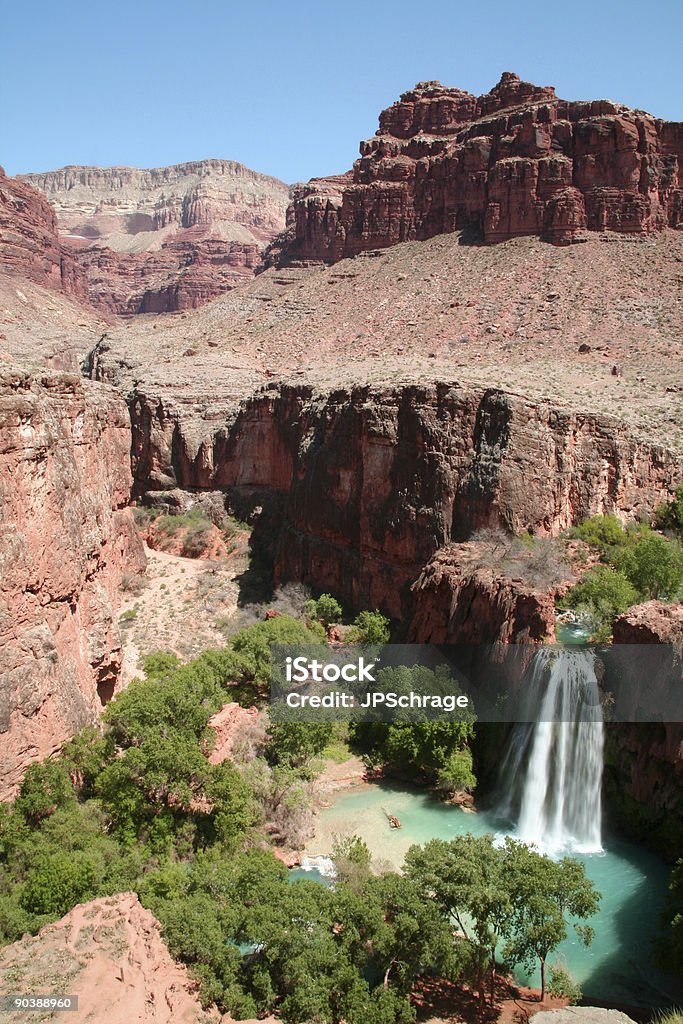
(30, 247)
(516, 161)
(167, 238)
(109, 953)
(67, 538)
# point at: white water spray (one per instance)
(552, 770)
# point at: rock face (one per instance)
(458, 600)
(372, 481)
(67, 537)
(516, 161)
(644, 773)
(29, 243)
(111, 954)
(168, 238)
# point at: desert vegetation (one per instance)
(633, 564)
(139, 805)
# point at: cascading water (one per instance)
(551, 774)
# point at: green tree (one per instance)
(370, 628)
(603, 593)
(547, 896)
(325, 609)
(653, 565)
(669, 516)
(295, 744)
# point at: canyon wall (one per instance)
(516, 161)
(30, 246)
(644, 762)
(167, 238)
(67, 539)
(463, 597)
(374, 480)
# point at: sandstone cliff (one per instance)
(29, 243)
(644, 764)
(516, 161)
(167, 238)
(67, 537)
(465, 594)
(110, 953)
(372, 481)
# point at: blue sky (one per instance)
(291, 88)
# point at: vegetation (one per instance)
(635, 564)
(670, 946)
(669, 516)
(505, 900)
(138, 806)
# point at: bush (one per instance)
(370, 628)
(669, 516)
(326, 609)
(602, 594)
(562, 985)
(653, 564)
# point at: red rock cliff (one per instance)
(516, 161)
(29, 243)
(167, 238)
(374, 480)
(644, 771)
(66, 539)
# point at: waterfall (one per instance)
(551, 773)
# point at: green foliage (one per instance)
(57, 882)
(507, 896)
(602, 594)
(46, 787)
(669, 947)
(562, 985)
(325, 609)
(435, 750)
(370, 628)
(669, 516)
(637, 564)
(600, 532)
(295, 744)
(654, 565)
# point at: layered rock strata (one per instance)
(30, 246)
(67, 538)
(516, 161)
(372, 481)
(167, 238)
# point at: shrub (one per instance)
(653, 565)
(370, 628)
(669, 516)
(602, 594)
(326, 609)
(561, 984)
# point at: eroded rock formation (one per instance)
(644, 770)
(374, 480)
(516, 161)
(461, 596)
(67, 538)
(167, 238)
(111, 954)
(29, 243)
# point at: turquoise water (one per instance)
(632, 881)
(570, 633)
